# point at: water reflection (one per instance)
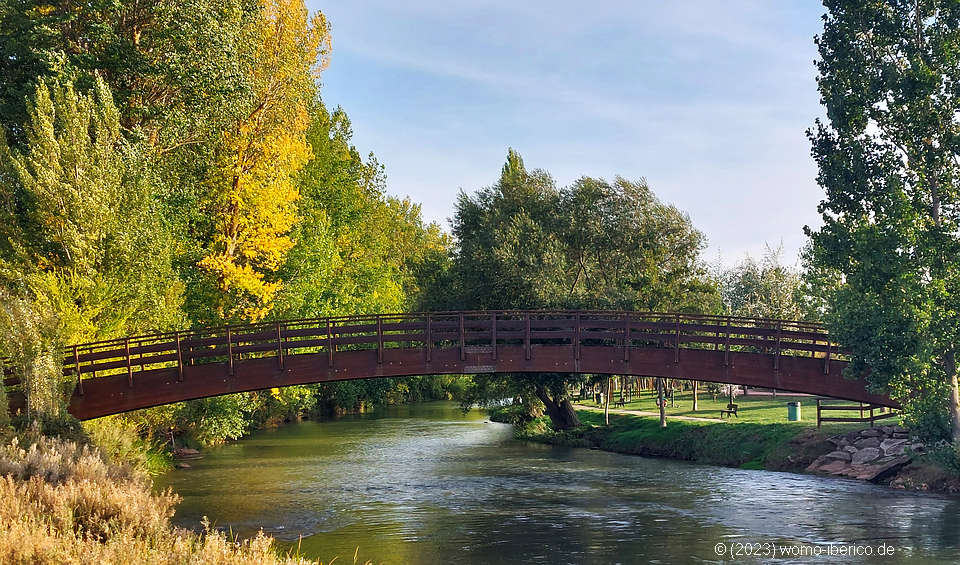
(429, 484)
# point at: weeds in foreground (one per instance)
(64, 503)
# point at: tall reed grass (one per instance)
(62, 502)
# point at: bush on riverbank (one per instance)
(65, 503)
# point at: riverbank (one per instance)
(764, 446)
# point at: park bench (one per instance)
(731, 410)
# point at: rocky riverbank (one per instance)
(870, 454)
(884, 454)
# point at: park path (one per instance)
(645, 413)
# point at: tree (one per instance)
(80, 226)
(253, 190)
(173, 65)
(764, 289)
(524, 243)
(888, 162)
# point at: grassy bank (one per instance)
(778, 447)
(753, 408)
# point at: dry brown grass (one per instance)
(61, 502)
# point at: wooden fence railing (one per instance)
(873, 413)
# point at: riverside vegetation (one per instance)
(760, 438)
(65, 502)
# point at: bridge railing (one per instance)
(468, 331)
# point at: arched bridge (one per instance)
(149, 370)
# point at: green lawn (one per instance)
(752, 409)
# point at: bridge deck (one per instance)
(141, 371)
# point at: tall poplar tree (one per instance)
(888, 158)
(253, 190)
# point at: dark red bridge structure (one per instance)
(149, 370)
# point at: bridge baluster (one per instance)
(626, 337)
(676, 345)
(526, 335)
(462, 338)
(179, 358)
(379, 339)
(76, 364)
(230, 350)
(280, 343)
(126, 344)
(493, 334)
(331, 347)
(577, 334)
(429, 337)
(776, 357)
(826, 363)
(726, 347)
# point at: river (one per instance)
(429, 484)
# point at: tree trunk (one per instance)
(562, 416)
(662, 403)
(950, 367)
(606, 404)
(695, 383)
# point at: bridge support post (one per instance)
(179, 358)
(429, 338)
(230, 351)
(126, 345)
(526, 336)
(76, 365)
(576, 349)
(826, 362)
(463, 354)
(626, 337)
(330, 345)
(776, 356)
(676, 345)
(493, 334)
(379, 340)
(726, 346)
(280, 343)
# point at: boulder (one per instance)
(835, 468)
(185, 452)
(850, 449)
(865, 455)
(841, 455)
(893, 446)
(900, 435)
(867, 442)
(871, 432)
(877, 470)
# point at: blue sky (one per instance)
(707, 100)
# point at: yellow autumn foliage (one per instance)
(254, 196)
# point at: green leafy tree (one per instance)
(888, 161)
(173, 66)
(764, 289)
(524, 243)
(80, 224)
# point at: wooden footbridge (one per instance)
(150, 370)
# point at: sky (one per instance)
(708, 101)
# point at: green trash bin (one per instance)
(793, 411)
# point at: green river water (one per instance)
(429, 484)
